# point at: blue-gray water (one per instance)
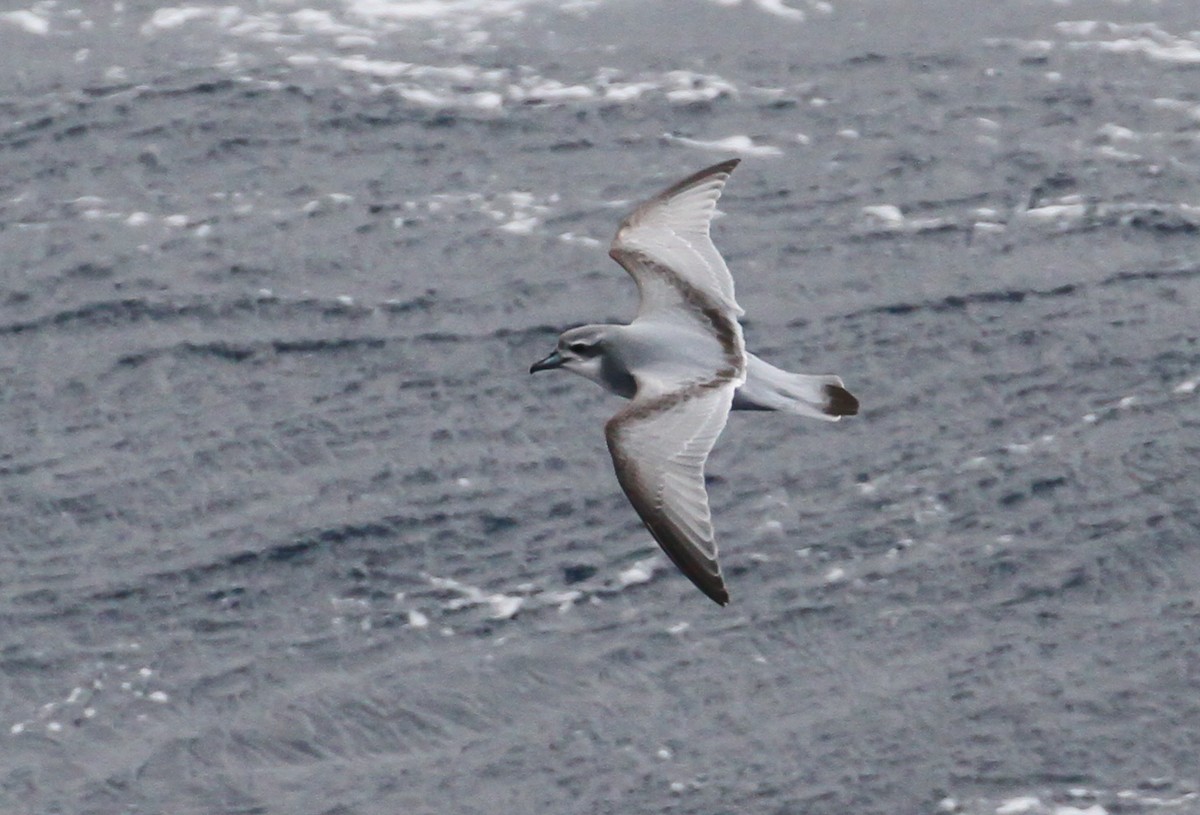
(288, 528)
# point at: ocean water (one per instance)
(288, 528)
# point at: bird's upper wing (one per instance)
(659, 446)
(665, 246)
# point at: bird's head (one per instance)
(578, 350)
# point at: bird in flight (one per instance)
(683, 365)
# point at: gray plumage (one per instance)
(683, 365)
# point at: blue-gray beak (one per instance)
(551, 362)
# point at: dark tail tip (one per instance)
(841, 401)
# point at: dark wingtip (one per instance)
(841, 401)
(718, 594)
(725, 166)
(713, 585)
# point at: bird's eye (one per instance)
(582, 349)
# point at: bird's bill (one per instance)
(555, 360)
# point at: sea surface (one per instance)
(288, 528)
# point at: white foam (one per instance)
(485, 100)
(503, 606)
(550, 90)
(730, 144)
(427, 98)
(887, 216)
(416, 619)
(582, 240)
(522, 226)
(1132, 38)
(165, 19)
(989, 228)
(1187, 386)
(1019, 805)
(322, 22)
(415, 10)
(1180, 52)
(627, 91)
(1108, 151)
(777, 8)
(640, 572)
(1077, 28)
(1058, 214)
(564, 600)
(1115, 132)
(28, 21)
(770, 531)
(305, 37)
(684, 87)
(384, 69)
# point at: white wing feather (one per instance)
(659, 448)
(672, 230)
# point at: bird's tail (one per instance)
(769, 388)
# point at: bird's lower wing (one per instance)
(659, 447)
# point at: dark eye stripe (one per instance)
(583, 349)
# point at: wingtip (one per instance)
(722, 167)
(713, 585)
(841, 402)
(727, 165)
